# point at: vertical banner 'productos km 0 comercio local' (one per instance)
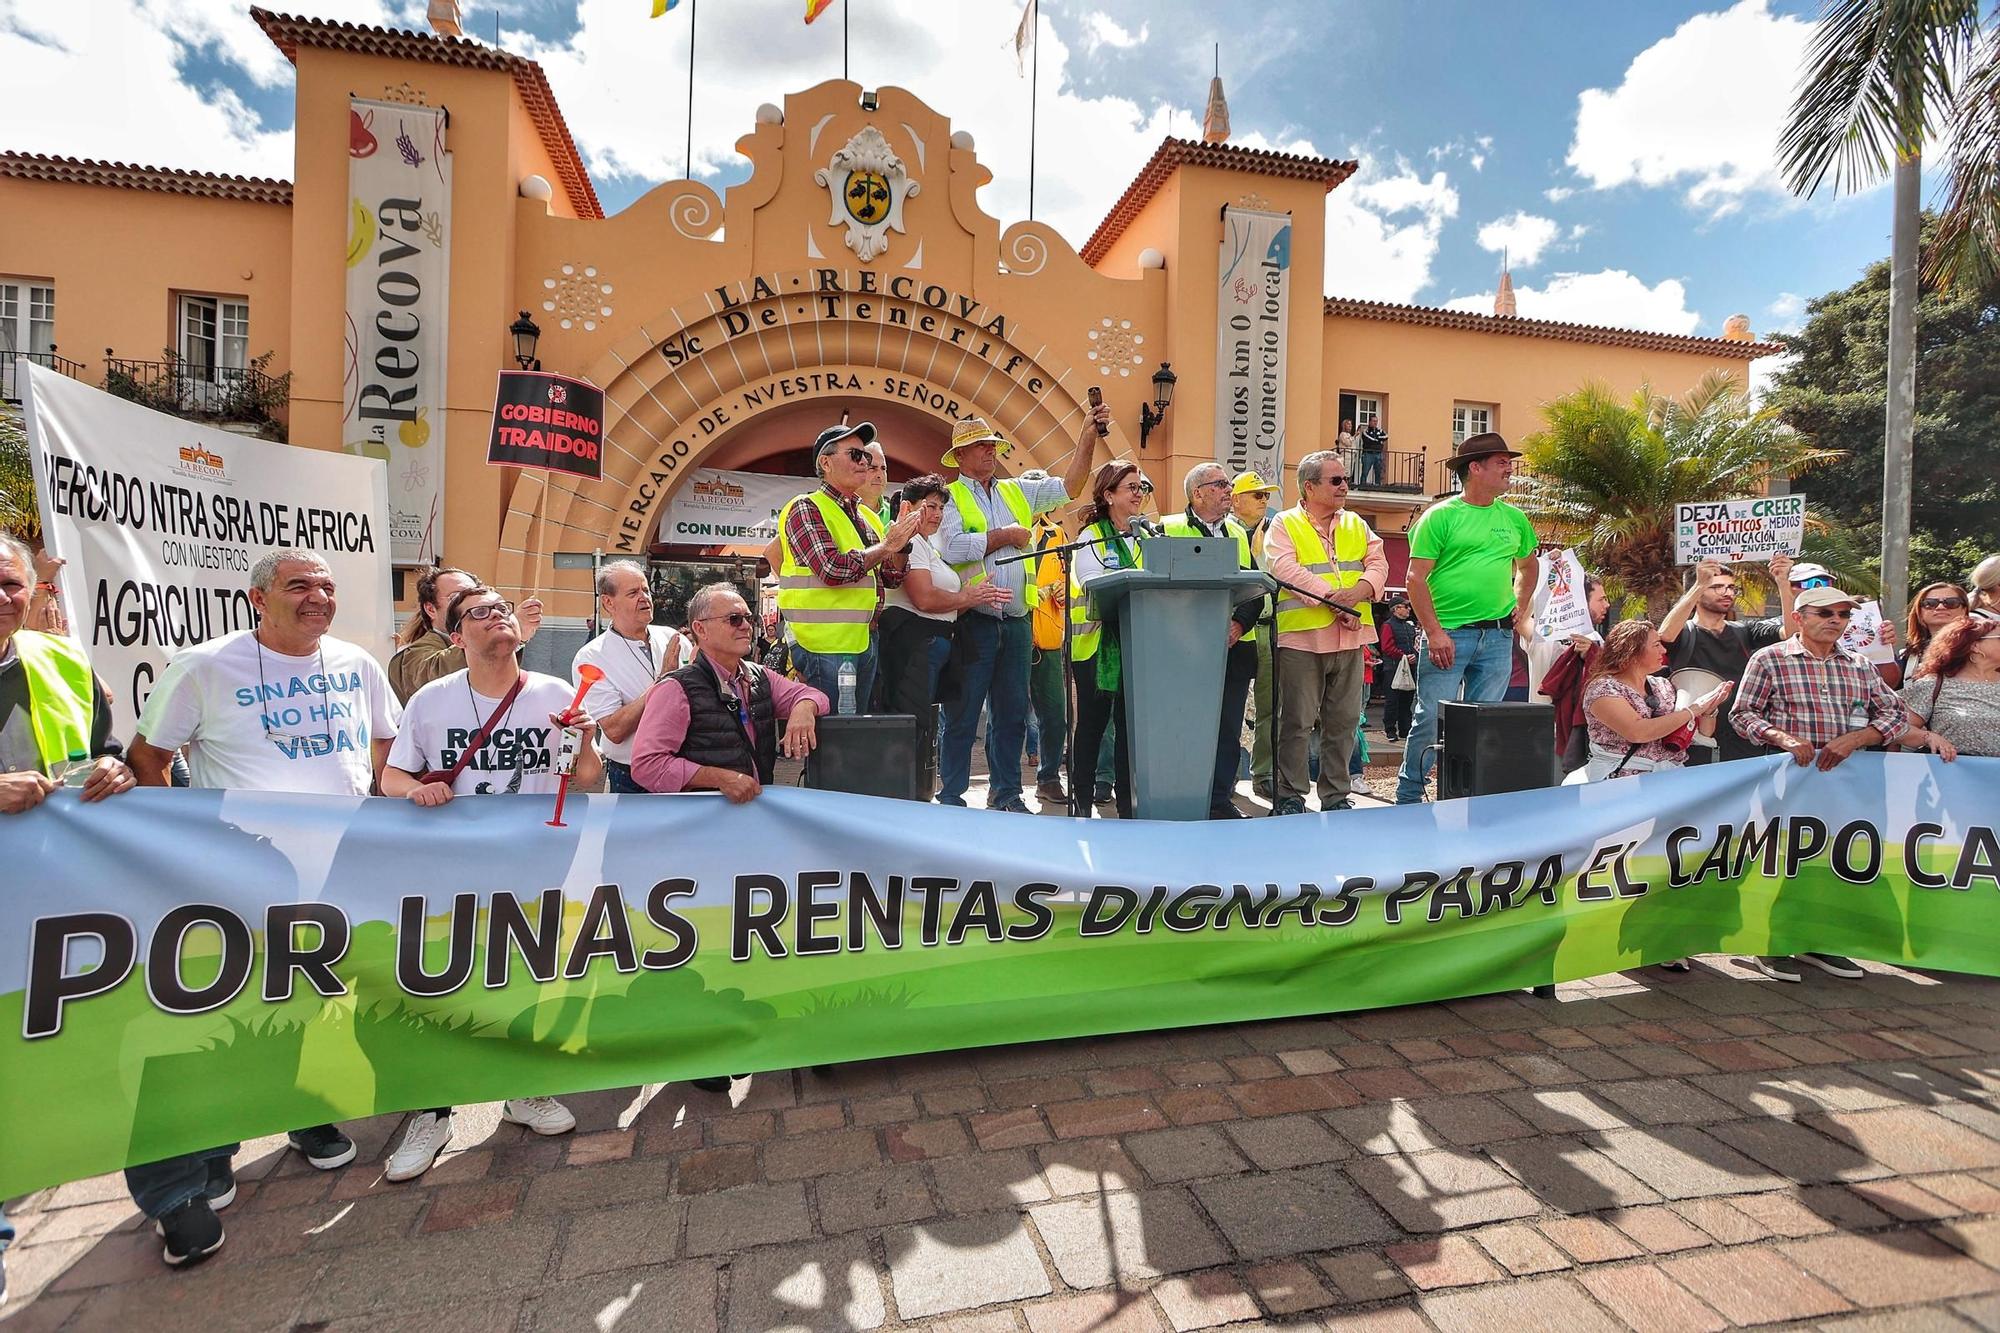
(1251, 339)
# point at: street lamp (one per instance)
(1163, 398)
(526, 334)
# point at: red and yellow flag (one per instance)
(814, 8)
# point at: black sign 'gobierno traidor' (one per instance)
(548, 421)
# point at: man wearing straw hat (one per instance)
(987, 519)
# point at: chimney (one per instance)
(1737, 329)
(444, 18)
(1215, 124)
(1503, 300)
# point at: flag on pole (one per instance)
(1024, 36)
(662, 6)
(814, 8)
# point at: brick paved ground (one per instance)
(1652, 1151)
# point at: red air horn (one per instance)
(586, 676)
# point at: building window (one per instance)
(27, 316)
(214, 335)
(1469, 419)
(1363, 409)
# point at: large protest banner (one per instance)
(1733, 531)
(297, 959)
(1252, 298)
(161, 520)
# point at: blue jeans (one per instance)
(998, 668)
(618, 778)
(1371, 468)
(1482, 663)
(822, 672)
(160, 1187)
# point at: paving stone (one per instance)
(821, 1119)
(1535, 1069)
(1383, 1085)
(1754, 1286)
(608, 1239)
(1665, 1101)
(1660, 1229)
(1471, 1121)
(1037, 1091)
(1313, 1061)
(1253, 1067)
(1287, 1141)
(1796, 1152)
(884, 1110)
(1970, 1193)
(1782, 1214)
(1197, 1106)
(983, 1182)
(1363, 1275)
(1184, 1154)
(1590, 1240)
(954, 1100)
(478, 1204)
(962, 1264)
(1907, 1139)
(678, 1296)
(430, 1270)
(1798, 1093)
(597, 1186)
(1009, 1129)
(1902, 1199)
(1649, 1300)
(1282, 1213)
(1204, 1300)
(1147, 1233)
(1570, 1175)
(1369, 1055)
(239, 1298)
(1843, 1207)
(1104, 1115)
(752, 1128)
(1563, 1112)
(86, 1222)
(1096, 1312)
(1553, 1304)
(1892, 1268)
(1132, 1078)
(991, 1321)
(1087, 1166)
(1390, 1128)
(1718, 1219)
(1682, 1162)
(1978, 1237)
(1289, 1287)
(739, 1219)
(1289, 1096)
(924, 1139)
(872, 1199)
(828, 1284)
(1454, 1076)
(1445, 1261)
(590, 1149)
(1441, 1191)
(821, 1154)
(1520, 1249)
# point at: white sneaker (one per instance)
(425, 1138)
(544, 1115)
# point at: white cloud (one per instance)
(1473, 150)
(1382, 229)
(1700, 109)
(1555, 194)
(1787, 308)
(1610, 297)
(1579, 231)
(1521, 236)
(1100, 29)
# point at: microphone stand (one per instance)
(1062, 554)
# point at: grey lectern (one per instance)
(1173, 625)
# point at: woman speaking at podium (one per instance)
(1117, 494)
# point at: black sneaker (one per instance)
(1101, 794)
(221, 1190)
(1838, 964)
(192, 1232)
(718, 1084)
(324, 1146)
(1290, 805)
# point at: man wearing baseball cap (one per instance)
(1250, 505)
(833, 553)
(1808, 697)
(986, 519)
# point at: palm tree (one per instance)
(1882, 78)
(1607, 472)
(18, 515)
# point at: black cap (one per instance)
(833, 435)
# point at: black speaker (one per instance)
(870, 755)
(1492, 748)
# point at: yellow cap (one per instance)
(1251, 484)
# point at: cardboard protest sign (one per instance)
(1864, 634)
(1733, 531)
(548, 421)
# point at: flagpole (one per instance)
(1034, 98)
(694, 11)
(844, 9)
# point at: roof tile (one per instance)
(1176, 153)
(1437, 317)
(119, 175)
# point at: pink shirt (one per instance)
(1282, 559)
(656, 742)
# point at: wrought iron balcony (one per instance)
(232, 394)
(14, 381)
(1392, 471)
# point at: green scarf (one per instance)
(1110, 662)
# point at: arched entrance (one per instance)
(700, 381)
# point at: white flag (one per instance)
(1024, 36)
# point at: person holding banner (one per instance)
(1207, 515)
(630, 656)
(500, 708)
(424, 651)
(1706, 647)
(282, 707)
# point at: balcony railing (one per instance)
(14, 381)
(241, 394)
(1392, 471)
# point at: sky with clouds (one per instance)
(1620, 155)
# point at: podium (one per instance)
(1173, 623)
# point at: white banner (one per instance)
(1562, 602)
(1737, 530)
(1252, 293)
(1864, 634)
(716, 508)
(398, 262)
(161, 519)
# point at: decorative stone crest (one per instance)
(868, 185)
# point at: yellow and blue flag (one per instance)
(662, 6)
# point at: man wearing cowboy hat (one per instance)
(984, 520)
(1250, 505)
(833, 554)
(1472, 581)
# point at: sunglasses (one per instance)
(736, 619)
(1333, 481)
(1831, 613)
(861, 456)
(1943, 603)
(486, 611)
(1816, 581)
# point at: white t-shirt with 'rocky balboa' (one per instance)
(255, 720)
(519, 757)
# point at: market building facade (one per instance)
(853, 272)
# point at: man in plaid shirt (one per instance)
(1818, 702)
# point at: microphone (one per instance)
(1146, 527)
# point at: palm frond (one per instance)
(1965, 248)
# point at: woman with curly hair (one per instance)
(1954, 701)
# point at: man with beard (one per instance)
(1699, 635)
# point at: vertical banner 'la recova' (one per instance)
(1253, 286)
(398, 261)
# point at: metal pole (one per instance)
(844, 9)
(693, 13)
(1034, 100)
(1899, 434)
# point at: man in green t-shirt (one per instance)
(1472, 581)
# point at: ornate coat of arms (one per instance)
(868, 185)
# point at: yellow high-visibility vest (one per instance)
(972, 573)
(1181, 526)
(60, 694)
(1342, 570)
(824, 617)
(1085, 633)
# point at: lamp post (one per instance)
(1153, 414)
(526, 333)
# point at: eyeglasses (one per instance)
(1816, 581)
(1219, 481)
(736, 619)
(861, 456)
(1333, 481)
(1831, 613)
(1943, 603)
(486, 611)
